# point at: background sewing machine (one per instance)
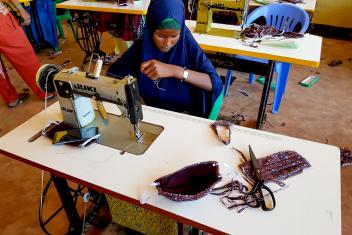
(207, 7)
(75, 89)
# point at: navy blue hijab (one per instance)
(178, 96)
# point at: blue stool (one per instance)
(283, 16)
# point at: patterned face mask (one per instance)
(189, 183)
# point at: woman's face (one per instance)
(165, 39)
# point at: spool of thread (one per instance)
(98, 67)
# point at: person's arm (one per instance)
(25, 16)
(155, 69)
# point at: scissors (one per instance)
(260, 195)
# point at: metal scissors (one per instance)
(260, 195)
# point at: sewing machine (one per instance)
(207, 7)
(75, 89)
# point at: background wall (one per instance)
(333, 12)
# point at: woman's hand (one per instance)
(155, 69)
(25, 16)
(23, 13)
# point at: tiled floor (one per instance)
(321, 113)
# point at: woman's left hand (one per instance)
(25, 16)
(155, 69)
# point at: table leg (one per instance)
(265, 94)
(69, 205)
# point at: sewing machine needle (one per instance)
(102, 110)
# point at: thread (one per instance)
(41, 191)
(98, 67)
(86, 197)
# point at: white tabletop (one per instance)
(307, 5)
(138, 7)
(311, 204)
(307, 53)
(91, 5)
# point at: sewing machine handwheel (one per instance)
(45, 77)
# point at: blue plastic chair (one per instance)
(284, 16)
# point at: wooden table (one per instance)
(141, 7)
(222, 39)
(311, 204)
(138, 7)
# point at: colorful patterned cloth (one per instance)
(140, 219)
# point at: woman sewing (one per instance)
(173, 73)
(172, 70)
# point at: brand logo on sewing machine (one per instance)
(219, 5)
(66, 110)
(85, 88)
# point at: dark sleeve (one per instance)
(128, 64)
(199, 62)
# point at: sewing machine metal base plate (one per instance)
(117, 132)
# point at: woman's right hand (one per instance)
(155, 69)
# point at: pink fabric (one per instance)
(17, 49)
